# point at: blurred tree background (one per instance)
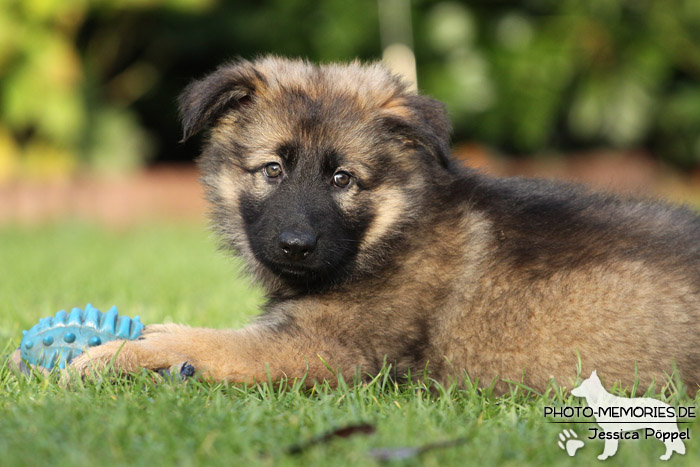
(91, 84)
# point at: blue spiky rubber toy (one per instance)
(56, 340)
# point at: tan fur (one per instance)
(390, 206)
(486, 285)
(218, 355)
(228, 189)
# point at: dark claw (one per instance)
(186, 371)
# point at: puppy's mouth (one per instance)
(293, 271)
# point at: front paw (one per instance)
(20, 367)
(159, 347)
(118, 355)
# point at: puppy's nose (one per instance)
(297, 245)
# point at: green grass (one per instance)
(174, 273)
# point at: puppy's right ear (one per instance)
(231, 86)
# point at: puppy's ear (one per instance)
(231, 86)
(420, 120)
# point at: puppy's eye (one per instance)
(342, 179)
(272, 170)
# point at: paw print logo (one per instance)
(569, 442)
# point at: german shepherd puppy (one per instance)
(335, 185)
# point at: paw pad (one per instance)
(186, 370)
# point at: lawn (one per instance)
(174, 273)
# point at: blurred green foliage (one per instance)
(92, 83)
(530, 76)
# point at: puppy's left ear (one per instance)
(231, 87)
(421, 121)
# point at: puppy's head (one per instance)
(315, 173)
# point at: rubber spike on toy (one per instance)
(109, 321)
(76, 316)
